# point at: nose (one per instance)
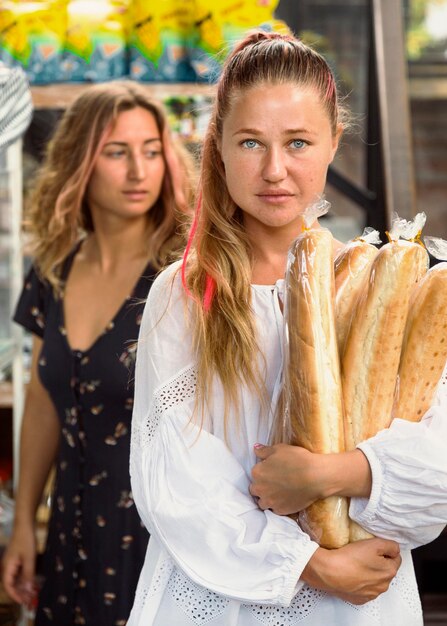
(136, 167)
(274, 167)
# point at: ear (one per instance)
(336, 140)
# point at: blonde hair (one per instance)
(217, 266)
(57, 214)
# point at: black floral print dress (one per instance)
(96, 542)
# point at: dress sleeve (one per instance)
(190, 490)
(31, 307)
(408, 501)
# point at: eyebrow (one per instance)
(289, 131)
(124, 143)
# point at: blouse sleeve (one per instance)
(31, 306)
(408, 501)
(190, 490)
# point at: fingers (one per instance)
(11, 570)
(262, 452)
(18, 579)
(28, 571)
(259, 501)
(252, 490)
(389, 549)
(383, 547)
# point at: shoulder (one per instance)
(34, 303)
(166, 296)
(167, 284)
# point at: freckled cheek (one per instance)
(246, 173)
(314, 173)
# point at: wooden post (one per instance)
(392, 85)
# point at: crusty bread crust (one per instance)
(370, 361)
(313, 383)
(424, 351)
(351, 266)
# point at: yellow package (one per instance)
(220, 23)
(95, 44)
(31, 35)
(160, 32)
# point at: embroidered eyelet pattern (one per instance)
(161, 577)
(158, 583)
(140, 597)
(199, 604)
(371, 609)
(302, 605)
(408, 591)
(175, 392)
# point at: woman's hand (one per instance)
(357, 572)
(287, 480)
(19, 566)
(290, 478)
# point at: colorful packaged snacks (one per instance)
(32, 35)
(218, 24)
(159, 34)
(95, 43)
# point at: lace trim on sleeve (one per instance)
(302, 605)
(178, 390)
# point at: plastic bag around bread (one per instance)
(352, 265)
(424, 352)
(371, 356)
(312, 398)
(370, 360)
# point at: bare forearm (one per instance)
(290, 478)
(347, 474)
(38, 448)
(39, 441)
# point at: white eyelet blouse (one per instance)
(214, 557)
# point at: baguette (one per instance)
(351, 266)
(313, 396)
(371, 357)
(424, 352)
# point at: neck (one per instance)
(110, 247)
(269, 251)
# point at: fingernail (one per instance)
(259, 445)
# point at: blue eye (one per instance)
(249, 143)
(298, 144)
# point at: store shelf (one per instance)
(432, 88)
(60, 95)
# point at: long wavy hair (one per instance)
(57, 214)
(217, 264)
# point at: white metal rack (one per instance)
(11, 280)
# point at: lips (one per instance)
(275, 195)
(135, 194)
(274, 192)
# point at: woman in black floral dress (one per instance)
(103, 219)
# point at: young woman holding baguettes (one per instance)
(208, 378)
